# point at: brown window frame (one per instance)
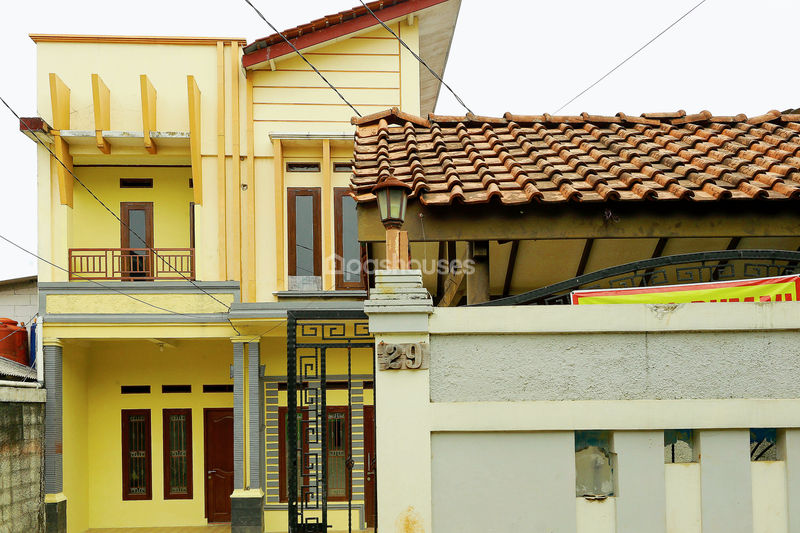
(167, 463)
(291, 195)
(191, 225)
(126, 473)
(338, 194)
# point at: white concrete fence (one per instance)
(482, 436)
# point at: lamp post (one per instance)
(392, 196)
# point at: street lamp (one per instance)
(392, 196)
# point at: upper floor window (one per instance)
(301, 166)
(305, 249)
(349, 252)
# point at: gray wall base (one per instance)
(55, 517)
(247, 515)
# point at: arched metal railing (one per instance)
(699, 266)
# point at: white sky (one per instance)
(528, 57)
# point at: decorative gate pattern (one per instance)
(310, 337)
(673, 269)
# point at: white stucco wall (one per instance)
(19, 299)
(615, 366)
(503, 381)
(530, 470)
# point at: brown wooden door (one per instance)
(219, 463)
(137, 237)
(370, 483)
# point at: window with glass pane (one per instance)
(305, 257)
(177, 453)
(338, 453)
(349, 256)
(136, 460)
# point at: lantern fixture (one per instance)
(392, 196)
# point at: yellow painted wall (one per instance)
(371, 69)
(116, 363)
(115, 302)
(365, 68)
(75, 376)
(94, 227)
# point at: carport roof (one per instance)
(546, 159)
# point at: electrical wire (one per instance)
(435, 75)
(303, 57)
(645, 45)
(227, 307)
(170, 311)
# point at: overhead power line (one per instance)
(424, 64)
(303, 58)
(132, 297)
(645, 45)
(226, 306)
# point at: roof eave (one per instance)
(337, 31)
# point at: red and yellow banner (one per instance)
(777, 289)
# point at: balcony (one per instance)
(131, 264)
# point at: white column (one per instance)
(726, 480)
(791, 453)
(641, 494)
(398, 311)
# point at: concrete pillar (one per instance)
(398, 311)
(478, 279)
(238, 414)
(55, 500)
(641, 487)
(255, 415)
(790, 451)
(247, 500)
(725, 480)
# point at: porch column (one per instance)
(247, 500)
(398, 311)
(55, 501)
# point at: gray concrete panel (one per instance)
(534, 472)
(615, 366)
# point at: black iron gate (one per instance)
(310, 334)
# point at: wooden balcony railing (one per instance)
(131, 264)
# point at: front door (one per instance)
(136, 259)
(219, 463)
(370, 484)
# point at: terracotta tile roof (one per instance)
(519, 159)
(330, 27)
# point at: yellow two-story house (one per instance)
(205, 268)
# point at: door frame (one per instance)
(125, 236)
(371, 410)
(206, 411)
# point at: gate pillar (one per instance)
(398, 311)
